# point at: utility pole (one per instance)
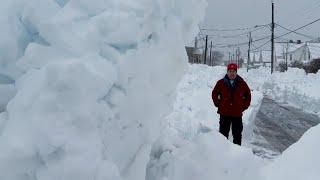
(238, 56)
(287, 49)
(272, 38)
(229, 57)
(236, 60)
(248, 62)
(205, 51)
(195, 49)
(210, 63)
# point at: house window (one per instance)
(309, 56)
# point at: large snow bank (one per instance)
(299, 161)
(208, 156)
(194, 109)
(294, 87)
(184, 152)
(94, 81)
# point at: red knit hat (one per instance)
(232, 66)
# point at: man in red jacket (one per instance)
(232, 96)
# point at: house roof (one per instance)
(314, 49)
(256, 56)
(280, 48)
(294, 47)
(266, 56)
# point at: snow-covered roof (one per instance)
(255, 56)
(281, 48)
(293, 47)
(314, 49)
(266, 56)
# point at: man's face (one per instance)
(232, 74)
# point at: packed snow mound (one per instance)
(299, 161)
(294, 87)
(208, 156)
(94, 83)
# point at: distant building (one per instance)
(313, 50)
(259, 59)
(254, 59)
(225, 62)
(304, 52)
(194, 56)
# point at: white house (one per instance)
(314, 50)
(254, 57)
(304, 52)
(294, 51)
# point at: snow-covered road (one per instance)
(277, 126)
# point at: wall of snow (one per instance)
(94, 82)
(207, 156)
(194, 110)
(299, 161)
(194, 114)
(255, 82)
(295, 87)
(191, 148)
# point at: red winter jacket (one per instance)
(231, 100)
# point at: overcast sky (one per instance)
(231, 14)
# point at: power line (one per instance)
(231, 36)
(310, 37)
(242, 35)
(314, 46)
(299, 28)
(302, 10)
(261, 45)
(254, 46)
(235, 45)
(238, 29)
(277, 37)
(282, 38)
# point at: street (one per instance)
(277, 126)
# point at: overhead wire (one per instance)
(245, 43)
(261, 45)
(302, 10)
(237, 29)
(241, 34)
(299, 28)
(307, 36)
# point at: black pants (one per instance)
(237, 127)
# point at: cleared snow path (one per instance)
(277, 126)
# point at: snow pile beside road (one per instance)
(296, 88)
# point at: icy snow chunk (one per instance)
(209, 156)
(4, 79)
(97, 87)
(62, 3)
